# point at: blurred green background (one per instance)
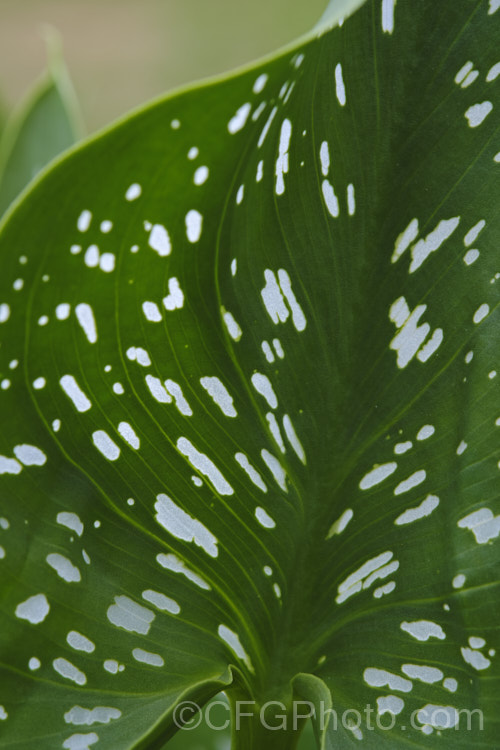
(121, 53)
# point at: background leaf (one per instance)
(47, 123)
(251, 368)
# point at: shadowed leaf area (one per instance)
(250, 406)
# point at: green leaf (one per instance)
(250, 411)
(210, 730)
(47, 123)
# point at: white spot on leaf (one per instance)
(275, 431)
(4, 312)
(388, 7)
(146, 657)
(431, 345)
(483, 524)
(266, 127)
(162, 602)
(493, 73)
(64, 568)
(341, 523)
(194, 224)
(80, 741)
(381, 677)
(423, 510)
(84, 716)
(175, 298)
(471, 256)
(127, 614)
(239, 120)
(254, 475)
(105, 445)
(9, 466)
(201, 175)
(263, 386)
(30, 455)
(425, 674)
(173, 563)
(450, 684)
(264, 518)
(377, 475)
(205, 466)
(410, 336)
(181, 525)
(128, 433)
(63, 311)
(231, 325)
(275, 468)
(330, 198)
(481, 313)
(80, 642)
(324, 156)
(423, 248)
(370, 571)
(175, 390)
(439, 717)
(473, 233)
(68, 670)
(463, 72)
(91, 257)
(390, 704)
(234, 643)
(351, 200)
(401, 448)
(477, 114)
(159, 240)
(260, 83)
(133, 192)
(293, 438)
(298, 317)
(139, 355)
(339, 85)
(151, 312)
(80, 400)
(282, 162)
(422, 630)
(426, 432)
(84, 220)
(157, 390)
(34, 610)
(85, 317)
(413, 481)
(220, 395)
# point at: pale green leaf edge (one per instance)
(336, 11)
